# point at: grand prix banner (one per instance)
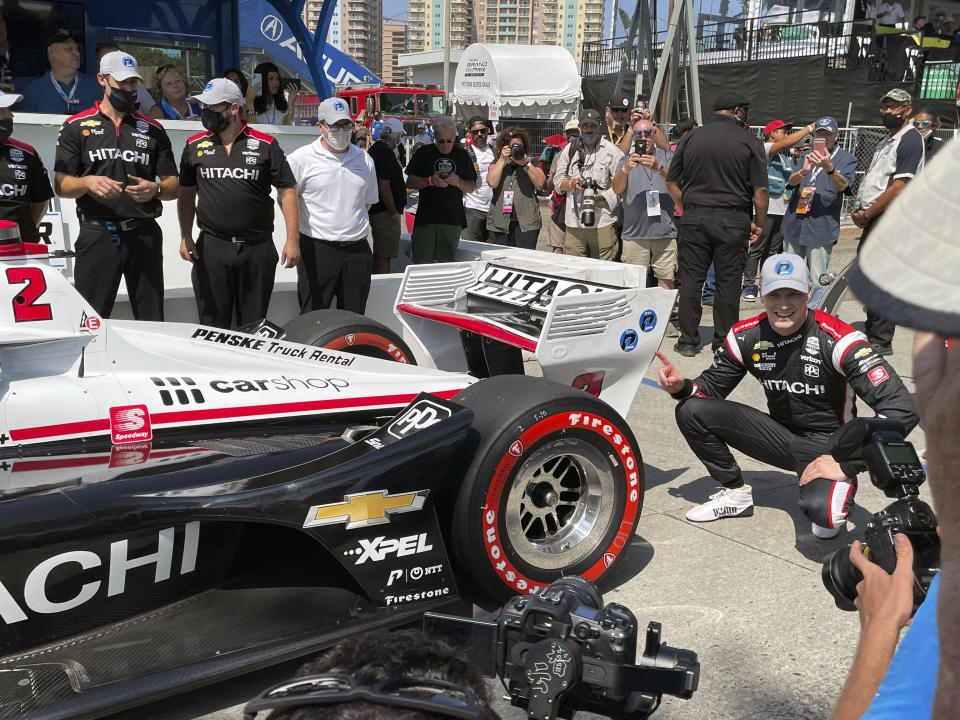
(262, 27)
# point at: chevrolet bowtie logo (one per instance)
(364, 509)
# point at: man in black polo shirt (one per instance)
(232, 167)
(385, 213)
(24, 185)
(719, 176)
(108, 158)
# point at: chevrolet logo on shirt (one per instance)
(365, 509)
(205, 143)
(90, 123)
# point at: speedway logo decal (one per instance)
(365, 509)
(518, 287)
(273, 347)
(130, 424)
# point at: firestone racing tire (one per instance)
(552, 485)
(348, 332)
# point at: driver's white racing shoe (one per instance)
(724, 504)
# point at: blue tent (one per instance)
(277, 28)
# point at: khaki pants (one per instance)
(591, 242)
(660, 253)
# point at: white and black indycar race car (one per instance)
(180, 503)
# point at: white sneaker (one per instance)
(723, 504)
(824, 533)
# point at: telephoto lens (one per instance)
(588, 207)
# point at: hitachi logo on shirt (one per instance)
(116, 154)
(235, 173)
(794, 388)
(8, 190)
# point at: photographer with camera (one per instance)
(585, 171)
(404, 674)
(808, 363)
(514, 216)
(649, 234)
(916, 290)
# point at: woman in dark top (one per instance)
(514, 215)
(271, 105)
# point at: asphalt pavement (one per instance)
(744, 593)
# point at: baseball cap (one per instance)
(588, 115)
(478, 119)
(219, 90)
(572, 124)
(773, 125)
(826, 123)
(396, 127)
(784, 271)
(61, 35)
(915, 283)
(333, 110)
(8, 99)
(119, 65)
(619, 102)
(729, 100)
(898, 94)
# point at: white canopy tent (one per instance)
(523, 81)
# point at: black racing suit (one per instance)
(810, 379)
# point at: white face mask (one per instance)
(339, 138)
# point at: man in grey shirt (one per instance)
(649, 234)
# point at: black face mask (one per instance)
(892, 121)
(212, 120)
(122, 100)
(6, 129)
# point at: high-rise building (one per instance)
(354, 28)
(425, 24)
(394, 43)
(569, 23)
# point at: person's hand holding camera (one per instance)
(885, 602)
(633, 161)
(452, 180)
(649, 161)
(436, 180)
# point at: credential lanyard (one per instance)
(68, 99)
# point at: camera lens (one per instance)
(516, 150)
(840, 578)
(583, 590)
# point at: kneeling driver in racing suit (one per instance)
(808, 362)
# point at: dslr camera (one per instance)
(588, 208)
(563, 650)
(516, 151)
(896, 470)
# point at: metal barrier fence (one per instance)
(537, 129)
(900, 57)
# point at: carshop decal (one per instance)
(555, 423)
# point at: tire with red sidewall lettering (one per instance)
(552, 485)
(350, 333)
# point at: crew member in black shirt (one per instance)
(109, 158)
(719, 176)
(232, 167)
(24, 185)
(443, 173)
(385, 214)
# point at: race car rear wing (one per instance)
(590, 324)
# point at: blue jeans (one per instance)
(817, 259)
(710, 285)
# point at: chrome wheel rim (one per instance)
(560, 503)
